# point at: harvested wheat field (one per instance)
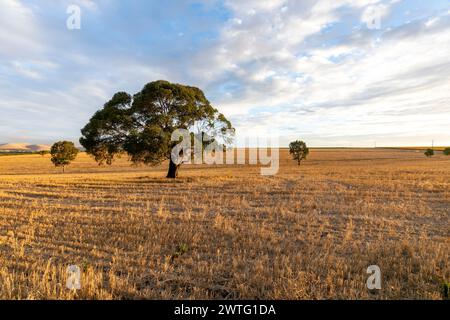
(226, 232)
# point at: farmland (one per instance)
(225, 231)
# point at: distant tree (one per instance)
(141, 125)
(429, 153)
(63, 153)
(299, 151)
(447, 151)
(43, 152)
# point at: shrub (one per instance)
(429, 153)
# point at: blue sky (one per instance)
(316, 70)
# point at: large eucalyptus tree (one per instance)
(142, 125)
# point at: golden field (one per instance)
(309, 232)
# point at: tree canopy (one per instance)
(142, 125)
(298, 150)
(63, 153)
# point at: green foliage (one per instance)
(43, 152)
(181, 249)
(429, 153)
(299, 150)
(141, 125)
(63, 153)
(104, 135)
(446, 290)
(447, 151)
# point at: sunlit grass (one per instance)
(309, 232)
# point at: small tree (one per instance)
(43, 152)
(299, 150)
(429, 153)
(447, 151)
(63, 152)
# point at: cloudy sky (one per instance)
(332, 72)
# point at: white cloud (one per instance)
(32, 69)
(19, 32)
(25, 71)
(390, 83)
(89, 4)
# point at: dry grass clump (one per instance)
(227, 232)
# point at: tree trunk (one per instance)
(173, 170)
(299, 161)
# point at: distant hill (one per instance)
(23, 147)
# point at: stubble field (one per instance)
(226, 232)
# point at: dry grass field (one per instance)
(309, 232)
